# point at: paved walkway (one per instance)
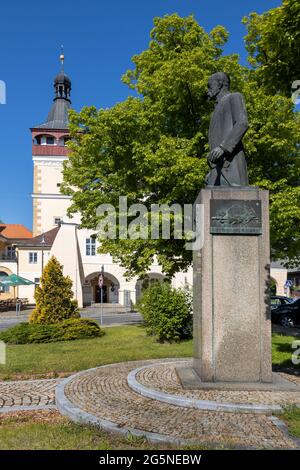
(27, 394)
(101, 396)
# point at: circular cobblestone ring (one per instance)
(160, 382)
(102, 397)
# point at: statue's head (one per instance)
(217, 82)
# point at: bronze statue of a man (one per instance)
(228, 125)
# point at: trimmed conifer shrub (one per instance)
(54, 297)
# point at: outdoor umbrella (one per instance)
(14, 280)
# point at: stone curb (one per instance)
(180, 400)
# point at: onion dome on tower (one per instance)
(58, 115)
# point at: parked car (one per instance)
(279, 300)
(287, 314)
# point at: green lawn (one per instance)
(125, 343)
(26, 433)
(282, 350)
(291, 417)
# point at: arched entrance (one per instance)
(92, 292)
(147, 281)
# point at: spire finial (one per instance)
(62, 57)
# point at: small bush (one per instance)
(167, 312)
(75, 328)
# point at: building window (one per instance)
(3, 289)
(57, 220)
(58, 185)
(90, 246)
(11, 252)
(33, 257)
(36, 282)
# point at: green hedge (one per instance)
(167, 312)
(74, 328)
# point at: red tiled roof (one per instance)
(15, 231)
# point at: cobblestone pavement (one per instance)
(27, 393)
(163, 378)
(103, 392)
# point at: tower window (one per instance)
(63, 140)
(50, 140)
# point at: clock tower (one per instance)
(49, 151)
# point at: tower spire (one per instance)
(58, 115)
(62, 57)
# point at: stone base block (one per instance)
(190, 380)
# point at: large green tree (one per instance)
(152, 147)
(273, 43)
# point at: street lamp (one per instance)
(43, 243)
(100, 284)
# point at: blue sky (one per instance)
(99, 37)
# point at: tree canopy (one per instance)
(273, 43)
(152, 146)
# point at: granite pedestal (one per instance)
(232, 324)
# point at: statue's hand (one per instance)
(215, 154)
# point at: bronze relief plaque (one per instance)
(241, 217)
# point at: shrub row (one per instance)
(75, 328)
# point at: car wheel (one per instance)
(287, 321)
